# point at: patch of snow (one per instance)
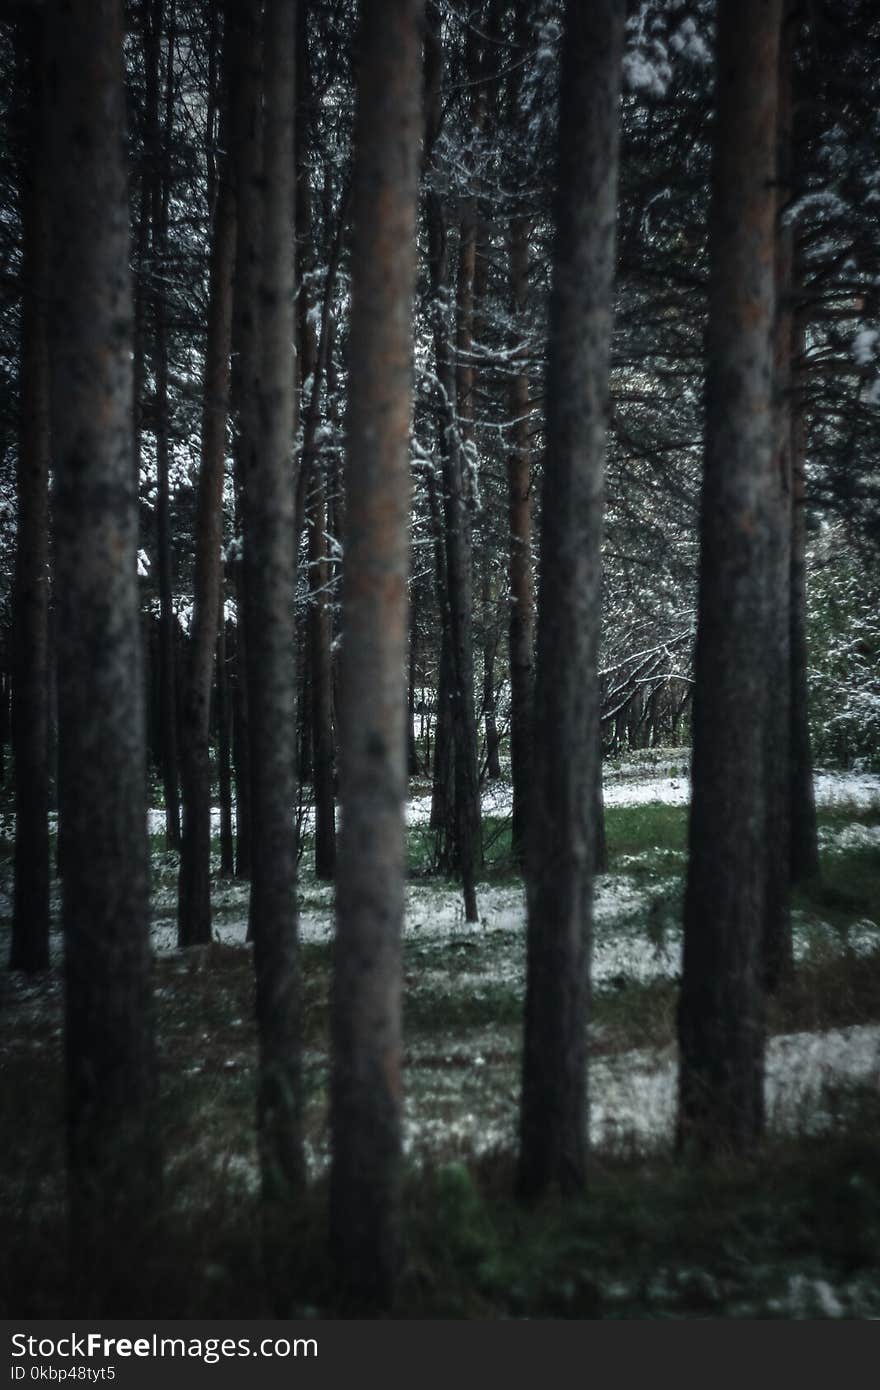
(864, 346)
(669, 791)
(852, 836)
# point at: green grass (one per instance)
(652, 835)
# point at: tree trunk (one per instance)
(457, 496)
(323, 750)
(30, 686)
(157, 142)
(778, 949)
(247, 177)
(111, 1074)
(412, 753)
(721, 1025)
(802, 796)
(443, 783)
(241, 741)
(224, 760)
(522, 598)
(270, 569)
(553, 1120)
(365, 1175)
(194, 887)
(600, 843)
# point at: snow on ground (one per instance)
(668, 784)
(856, 789)
(671, 791)
(852, 836)
(632, 1094)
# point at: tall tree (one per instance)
(802, 796)
(366, 1086)
(313, 356)
(111, 1075)
(30, 686)
(559, 874)
(159, 137)
(720, 1025)
(247, 163)
(778, 951)
(522, 597)
(455, 463)
(269, 572)
(194, 885)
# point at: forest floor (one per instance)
(795, 1232)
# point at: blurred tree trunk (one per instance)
(30, 646)
(366, 1089)
(721, 1016)
(553, 1118)
(113, 1165)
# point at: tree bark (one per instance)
(522, 597)
(802, 796)
(194, 885)
(553, 1118)
(778, 948)
(224, 759)
(244, 386)
(321, 632)
(366, 1089)
(413, 765)
(457, 495)
(721, 1024)
(270, 569)
(110, 1062)
(29, 949)
(157, 142)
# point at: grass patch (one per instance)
(645, 840)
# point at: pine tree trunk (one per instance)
(457, 498)
(443, 783)
(224, 757)
(29, 949)
(778, 948)
(247, 178)
(721, 1024)
(194, 887)
(323, 750)
(412, 752)
(270, 569)
(553, 1118)
(366, 1089)
(110, 1062)
(158, 218)
(241, 745)
(802, 796)
(522, 597)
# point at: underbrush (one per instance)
(792, 1233)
